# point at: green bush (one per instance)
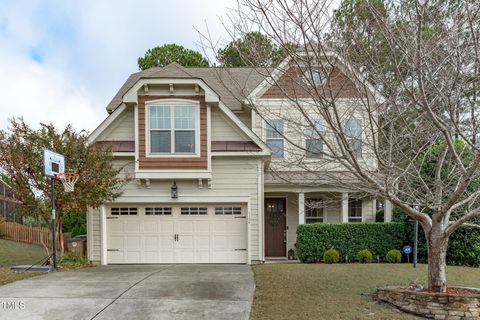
(364, 256)
(463, 246)
(347, 238)
(331, 256)
(72, 260)
(394, 256)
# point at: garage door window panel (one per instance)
(124, 211)
(193, 211)
(156, 211)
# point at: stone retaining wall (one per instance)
(434, 305)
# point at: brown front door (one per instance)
(275, 227)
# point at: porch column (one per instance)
(301, 208)
(387, 211)
(344, 217)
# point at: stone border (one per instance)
(442, 306)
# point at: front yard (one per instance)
(17, 253)
(337, 291)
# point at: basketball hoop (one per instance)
(68, 180)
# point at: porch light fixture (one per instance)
(174, 190)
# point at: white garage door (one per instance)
(177, 234)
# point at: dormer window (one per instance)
(173, 128)
(314, 77)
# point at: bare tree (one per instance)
(399, 125)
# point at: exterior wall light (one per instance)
(174, 190)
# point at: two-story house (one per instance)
(206, 181)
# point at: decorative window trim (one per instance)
(318, 218)
(171, 103)
(123, 211)
(358, 206)
(281, 138)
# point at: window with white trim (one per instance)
(314, 210)
(275, 140)
(158, 211)
(123, 211)
(314, 77)
(228, 211)
(353, 133)
(314, 140)
(193, 211)
(173, 129)
(354, 210)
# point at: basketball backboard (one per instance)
(53, 163)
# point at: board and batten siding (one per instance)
(231, 178)
(93, 234)
(123, 129)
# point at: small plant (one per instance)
(71, 260)
(364, 256)
(394, 256)
(331, 256)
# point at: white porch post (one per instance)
(301, 208)
(387, 211)
(344, 217)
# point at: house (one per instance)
(206, 183)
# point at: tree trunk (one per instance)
(437, 243)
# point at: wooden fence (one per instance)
(19, 232)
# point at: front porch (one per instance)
(285, 210)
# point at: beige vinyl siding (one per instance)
(122, 129)
(245, 117)
(231, 177)
(368, 210)
(223, 129)
(93, 233)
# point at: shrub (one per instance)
(75, 222)
(331, 256)
(364, 256)
(72, 260)
(347, 238)
(394, 256)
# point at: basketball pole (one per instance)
(54, 226)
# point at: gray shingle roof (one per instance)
(231, 84)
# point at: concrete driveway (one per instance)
(133, 292)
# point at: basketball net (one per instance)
(68, 180)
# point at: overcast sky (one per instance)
(62, 61)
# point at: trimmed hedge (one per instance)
(463, 246)
(348, 239)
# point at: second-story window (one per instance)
(173, 129)
(314, 140)
(275, 140)
(353, 132)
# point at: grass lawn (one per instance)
(16, 253)
(337, 291)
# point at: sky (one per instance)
(61, 62)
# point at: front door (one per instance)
(275, 227)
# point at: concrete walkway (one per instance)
(133, 292)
